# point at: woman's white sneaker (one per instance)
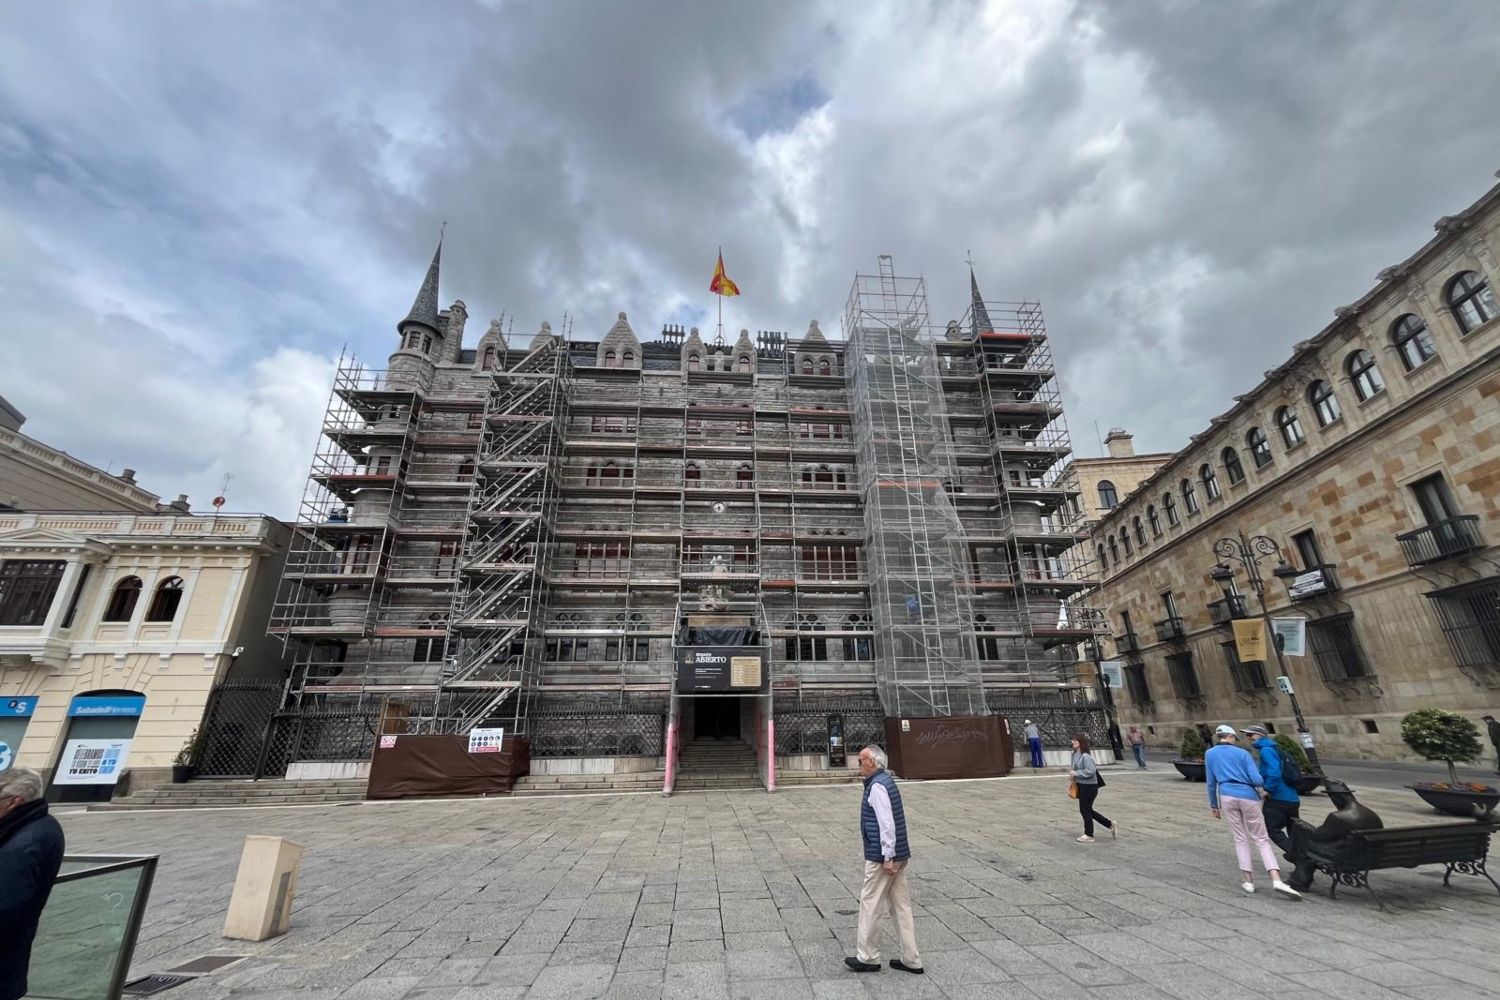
(1282, 889)
(1248, 886)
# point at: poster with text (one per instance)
(91, 762)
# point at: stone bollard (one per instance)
(261, 905)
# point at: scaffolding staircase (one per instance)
(497, 606)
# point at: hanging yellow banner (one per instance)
(1250, 640)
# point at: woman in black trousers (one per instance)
(1085, 774)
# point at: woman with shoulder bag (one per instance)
(1087, 782)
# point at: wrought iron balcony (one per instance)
(1312, 582)
(1226, 610)
(1444, 540)
(1170, 630)
(1127, 642)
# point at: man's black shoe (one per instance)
(858, 966)
(896, 963)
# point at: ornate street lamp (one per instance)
(1248, 551)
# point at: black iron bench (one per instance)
(1460, 847)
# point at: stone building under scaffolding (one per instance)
(525, 534)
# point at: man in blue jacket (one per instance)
(882, 828)
(31, 852)
(1282, 803)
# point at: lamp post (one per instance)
(1248, 551)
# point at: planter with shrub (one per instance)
(1452, 739)
(1189, 762)
(185, 764)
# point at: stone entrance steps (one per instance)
(228, 792)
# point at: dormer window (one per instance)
(695, 363)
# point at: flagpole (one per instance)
(721, 301)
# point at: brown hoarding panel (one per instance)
(957, 746)
(442, 765)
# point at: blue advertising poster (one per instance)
(17, 707)
(100, 705)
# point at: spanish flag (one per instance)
(721, 285)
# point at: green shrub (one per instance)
(1192, 745)
(1445, 736)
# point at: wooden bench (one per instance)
(1460, 847)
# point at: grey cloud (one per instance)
(192, 195)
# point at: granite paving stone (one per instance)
(730, 894)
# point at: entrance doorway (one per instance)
(716, 718)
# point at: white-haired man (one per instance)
(31, 851)
(882, 827)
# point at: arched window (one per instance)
(1471, 300)
(164, 603)
(1260, 447)
(1189, 498)
(122, 602)
(823, 477)
(1232, 466)
(1170, 507)
(1114, 551)
(628, 359)
(611, 474)
(1413, 342)
(487, 360)
(744, 477)
(1364, 374)
(807, 366)
(1290, 426)
(692, 474)
(1103, 563)
(1108, 498)
(824, 367)
(1155, 520)
(1140, 532)
(1125, 541)
(1324, 403)
(466, 470)
(743, 364)
(1210, 481)
(695, 363)
(609, 359)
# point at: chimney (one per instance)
(1118, 443)
(127, 476)
(181, 503)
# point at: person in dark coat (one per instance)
(31, 852)
(1494, 729)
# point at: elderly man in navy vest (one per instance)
(882, 825)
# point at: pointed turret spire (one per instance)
(979, 318)
(424, 309)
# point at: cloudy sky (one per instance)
(201, 204)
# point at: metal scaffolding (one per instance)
(923, 610)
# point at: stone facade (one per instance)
(86, 634)
(1119, 472)
(1380, 489)
(593, 484)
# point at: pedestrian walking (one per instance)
(31, 851)
(1034, 741)
(1235, 788)
(882, 828)
(1137, 741)
(1494, 728)
(1282, 804)
(1087, 782)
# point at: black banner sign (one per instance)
(721, 669)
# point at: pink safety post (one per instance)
(671, 756)
(770, 753)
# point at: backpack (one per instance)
(1291, 774)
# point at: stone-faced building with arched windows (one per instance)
(1365, 472)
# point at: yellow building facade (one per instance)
(117, 626)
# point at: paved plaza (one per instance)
(747, 895)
